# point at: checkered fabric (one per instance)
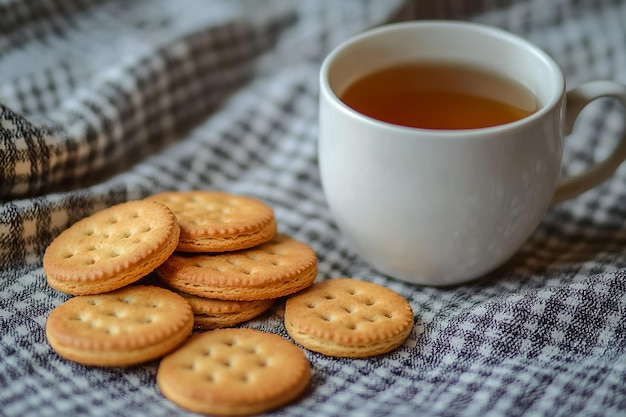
(104, 101)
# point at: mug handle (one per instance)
(576, 99)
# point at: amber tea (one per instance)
(440, 96)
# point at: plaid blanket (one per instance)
(103, 101)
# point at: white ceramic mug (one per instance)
(441, 207)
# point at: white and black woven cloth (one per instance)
(103, 101)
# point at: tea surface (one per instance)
(440, 96)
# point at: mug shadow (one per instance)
(552, 250)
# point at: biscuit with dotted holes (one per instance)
(112, 248)
(125, 327)
(234, 372)
(216, 221)
(346, 317)
(210, 313)
(271, 270)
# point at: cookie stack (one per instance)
(230, 264)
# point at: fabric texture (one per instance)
(104, 101)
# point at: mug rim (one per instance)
(551, 103)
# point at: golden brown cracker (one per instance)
(128, 326)
(216, 221)
(210, 313)
(274, 269)
(346, 317)
(234, 372)
(111, 248)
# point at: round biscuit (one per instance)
(210, 313)
(112, 248)
(346, 317)
(216, 221)
(271, 270)
(128, 326)
(233, 372)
